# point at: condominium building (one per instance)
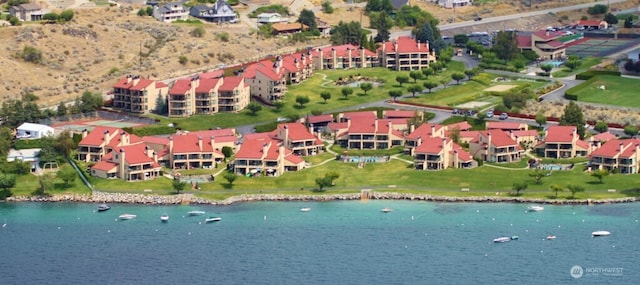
(206, 96)
(562, 142)
(135, 94)
(343, 57)
(438, 153)
(405, 53)
(267, 80)
(495, 146)
(620, 155)
(366, 133)
(265, 156)
(299, 139)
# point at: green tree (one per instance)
(415, 75)
(278, 105)
(573, 117)
(598, 9)
(254, 107)
(198, 32)
(13, 20)
(470, 73)
(149, 11)
(178, 185)
(600, 174)
(541, 119)
(162, 106)
(457, 76)
(230, 177)
(573, 62)
(6, 136)
(427, 71)
(365, 86)
(62, 109)
(183, 60)
(300, 99)
(460, 40)
(31, 54)
(346, 91)
(430, 85)
(64, 144)
(546, 67)
(327, 8)
(537, 175)
(322, 183)
(574, 189)
(414, 89)
(67, 174)
(611, 19)
(227, 151)
(445, 81)
(506, 46)
(142, 12)
(631, 131)
(45, 183)
(437, 66)
(601, 127)
(50, 17)
(325, 95)
(402, 79)
(7, 182)
(628, 22)
(382, 22)
(556, 188)
(519, 186)
(66, 15)
(346, 33)
(308, 18)
(395, 94)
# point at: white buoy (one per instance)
(58, 227)
(526, 231)
(542, 251)
(412, 218)
(583, 221)
(477, 211)
(156, 230)
(462, 224)
(574, 213)
(486, 254)
(512, 225)
(406, 246)
(108, 231)
(265, 218)
(493, 219)
(115, 220)
(558, 226)
(78, 218)
(537, 221)
(189, 233)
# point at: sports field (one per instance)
(599, 47)
(611, 90)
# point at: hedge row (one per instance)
(572, 93)
(591, 73)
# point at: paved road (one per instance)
(454, 26)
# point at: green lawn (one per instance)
(320, 82)
(618, 91)
(587, 62)
(27, 184)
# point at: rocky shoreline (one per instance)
(152, 199)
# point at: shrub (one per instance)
(223, 37)
(31, 54)
(197, 32)
(591, 73)
(183, 60)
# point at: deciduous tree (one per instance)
(326, 95)
(302, 100)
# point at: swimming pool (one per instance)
(555, 63)
(358, 159)
(550, 167)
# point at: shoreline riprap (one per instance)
(152, 199)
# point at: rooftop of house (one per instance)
(404, 44)
(506, 126)
(128, 81)
(96, 138)
(297, 131)
(560, 134)
(611, 149)
(424, 131)
(343, 51)
(326, 118)
(392, 114)
(190, 143)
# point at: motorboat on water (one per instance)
(550, 237)
(501, 239)
(212, 219)
(103, 207)
(196, 213)
(386, 210)
(305, 209)
(600, 233)
(535, 208)
(515, 237)
(164, 218)
(127, 216)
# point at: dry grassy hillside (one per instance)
(102, 44)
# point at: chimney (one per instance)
(418, 141)
(363, 60)
(444, 145)
(395, 46)
(455, 159)
(511, 135)
(418, 44)
(333, 57)
(121, 162)
(348, 123)
(621, 148)
(195, 82)
(488, 139)
(296, 62)
(84, 133)
(265, 149)
(349, 56)
(375, 125)
(128, 77)
(390, 128)
(200, 143)
(433, 130)
(384, 46)
(412, 128)
(286, 134)
(148, 151)
(155, 156)
(106, 137)
(136, 80)
(171, 146)
(281, 151)
(124, 139)
(213, 141)
(321, 59)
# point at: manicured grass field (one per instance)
(482, 181)
(587, 62)
(618, 91)
(320, 82)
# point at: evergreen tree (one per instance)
(573, 117)
(506, 45)
(62, 109)
(307, 17)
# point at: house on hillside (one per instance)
(366, 133)
(220, 12)
(27, 12)
(267, 80)
(29, 155)
(270, 18)
(265, 156)
(323, 27)
(405, 53)
(135, 94)
(434, 153)
(495, 146)
(424, 131)
(170, 12)
(288, 28)
(33, 131)
(449, 4)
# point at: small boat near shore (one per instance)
(212, 219)
(550, 237)
(127, 217)
(196, 213)
(600, 233)
(305, 209)
(535, 208)
(501, 239)
(386, 210)
(164, 218)
(103, 207)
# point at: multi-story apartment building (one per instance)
(191, 151)
(297, 67)
(267, 80)
(405, 53)
(438, 153)
(343, 57)
(265, 156)
(130, 163)
(297, 138)
(562, 142)
(623, 155)
(495, 146)
(170, 12)
(206, 96)
(102, 140)
(417, 136)
(137, 95)
(366, 133)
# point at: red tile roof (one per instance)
(563, 134)
(257, 136)
(555, 44)
(361, 114)
(505, 126)
(590, 22)
(431, 145)
(216, 133)
(141, 84)
(286, 27)
(338, 126)
(190, 144)
(253, 149)
(524, 41)
(545, 35)
(230, 83)
(297, 132)
(603, 137)
(180, 87)
(342, 51)
(423, 131)
(527, 133)
(104, 166)
(212, 74)
(96, 137)
(265, 68)
(206, 85)
(394, 114)
(135, 154)
(294, 159)
(405, 44)
(368, 126)
(462, 126)
(160, 84)
(327, 118)
(499, 138)
(155, 140)
(463, 155)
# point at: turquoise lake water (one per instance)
(350, 242)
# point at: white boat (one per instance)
(535, 208)
(550, 237)
(600, 233)
(164, 218)
(127, 216)
(196, 213)
(305, 209)
(103, 207)
(386, 210)
(501, 239)
(212, 219)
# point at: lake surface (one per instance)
(350, 242)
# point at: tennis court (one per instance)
(599, 47)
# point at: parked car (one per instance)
(470, 113)
(489, 114)
(455, 111)
(504, 116)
